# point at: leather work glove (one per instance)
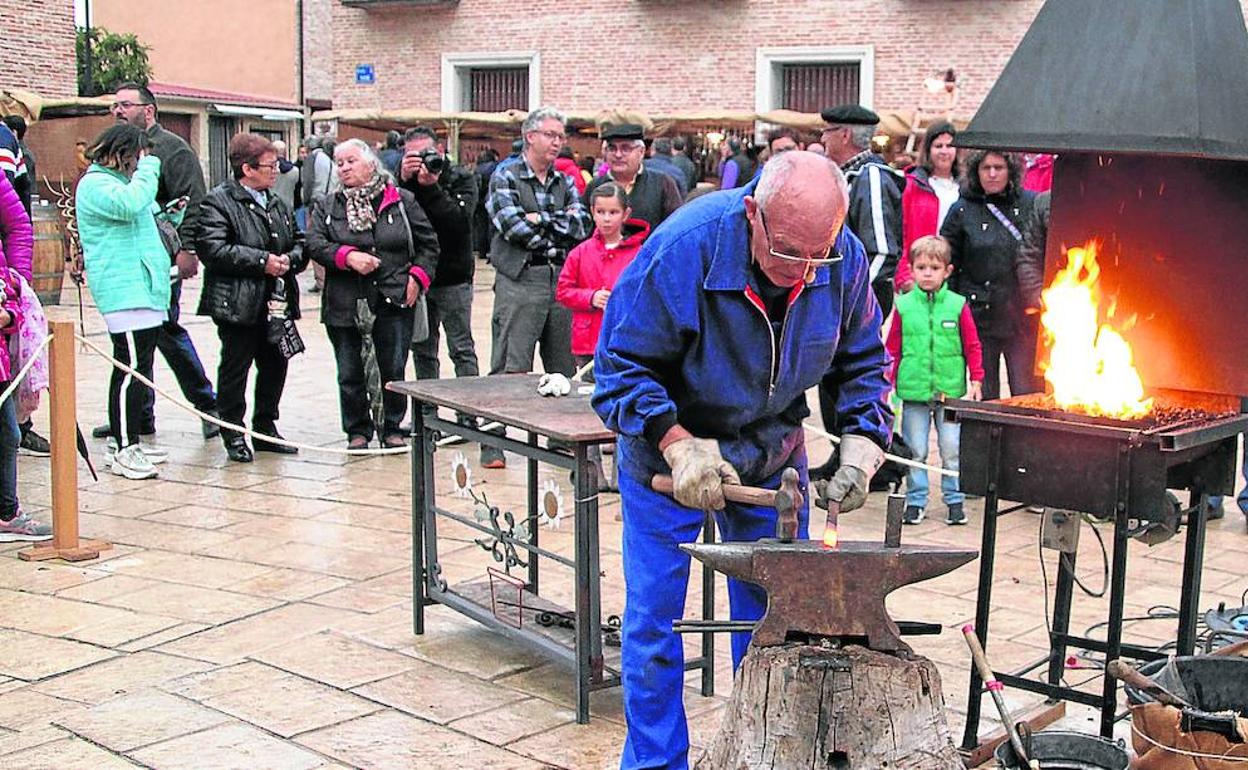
(699, 472)
(860, 459)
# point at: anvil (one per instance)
(813, 591)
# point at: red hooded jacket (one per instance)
(569, 167)
(590, 267)
(920, 210)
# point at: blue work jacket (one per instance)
(686, 334)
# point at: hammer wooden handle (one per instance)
(1120, 670)
(737, 493)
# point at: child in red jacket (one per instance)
(590, 274)
(593, 267)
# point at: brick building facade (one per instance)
(662, 56)
(37, 47)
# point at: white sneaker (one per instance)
(133, 464)
(155, 454)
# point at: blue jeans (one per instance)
(916, 419)
(1215, 501)
(656, 579)
(10, 437)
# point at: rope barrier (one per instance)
(231, 426)
(895, 458)
(444, 441)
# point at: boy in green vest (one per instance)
(933, 343)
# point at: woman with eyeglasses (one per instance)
(128, 270)
(379, 253)
(248, 245)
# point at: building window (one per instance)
(808, 79)
(812, 87)
(494, 89)
(491, 82)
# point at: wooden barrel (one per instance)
(48, 263)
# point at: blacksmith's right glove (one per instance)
(699, 472)
(860, 459)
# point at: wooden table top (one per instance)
(512, 399)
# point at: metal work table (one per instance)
(569, 421)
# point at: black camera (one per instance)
(434, 162)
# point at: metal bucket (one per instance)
(1057, 750)
(1212, 683)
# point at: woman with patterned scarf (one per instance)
(379, 253)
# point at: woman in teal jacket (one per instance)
(127, 268)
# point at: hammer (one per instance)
(786, 500)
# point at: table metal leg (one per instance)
(535, 519)
(1060, 627)
(983, 601)
(589, 661)
(418, 461)
(708, 611)
(1193, 559)
(1113, 631)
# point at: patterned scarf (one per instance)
(360, 214)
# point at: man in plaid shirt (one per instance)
(537, 217)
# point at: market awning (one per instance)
(264, 113)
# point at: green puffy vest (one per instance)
(931, 345)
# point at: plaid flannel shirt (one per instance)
(557, 230)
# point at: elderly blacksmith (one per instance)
(735, 307)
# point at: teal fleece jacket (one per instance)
(126, 262)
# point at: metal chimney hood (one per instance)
(1166, 77)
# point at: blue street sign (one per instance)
(365, 75)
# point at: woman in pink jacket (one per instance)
(16, 233)
(590, 273)
(16, 247)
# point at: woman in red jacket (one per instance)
(931, 190)
(590, 273)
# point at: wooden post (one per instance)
(64, 440)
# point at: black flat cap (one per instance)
(623, 131)
(850, 115)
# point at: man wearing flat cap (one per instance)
(652, 195)
(874, 213)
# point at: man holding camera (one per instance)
(448, 194)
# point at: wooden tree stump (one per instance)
(801, 706)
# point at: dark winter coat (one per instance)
(983, 259)
(875, 215)
(1029, 265)
(330, 241)
(234, 238)
(450, 205)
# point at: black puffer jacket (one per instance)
(234, 237)
(984, 254)
(330, 240)
(450, 205)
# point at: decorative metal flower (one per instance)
(551, 513)
(461, 476)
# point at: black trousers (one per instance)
(1019, 352)
(391, 338)
(175, 344)
(242, 346)
(136, 349)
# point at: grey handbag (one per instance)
(420, 310)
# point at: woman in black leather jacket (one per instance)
(985, 229)
(246, 239)
(379, 250)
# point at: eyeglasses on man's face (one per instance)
(621, 149)
(826, 256)
(266, 166)
(551, 136)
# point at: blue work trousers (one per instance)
(656, 578)
(916, 422)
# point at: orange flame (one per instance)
(830, 538)
(1090, 364)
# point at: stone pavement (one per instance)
(259, 616)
